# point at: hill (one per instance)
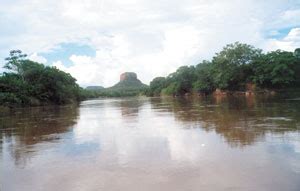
(95, 88)
(129, 80)
(129, 85)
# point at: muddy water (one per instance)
(153, 144)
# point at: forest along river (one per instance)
(137, 144)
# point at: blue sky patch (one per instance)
(280, 33)
(65, 50)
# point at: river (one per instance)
(136, 144)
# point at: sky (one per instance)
(97, 40)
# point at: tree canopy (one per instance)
(231, 69)
(32, 83)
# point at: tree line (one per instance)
(26, 82)
(231, 69)
(30, 83)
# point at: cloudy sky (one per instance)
(96, 40)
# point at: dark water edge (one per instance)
(165, 143)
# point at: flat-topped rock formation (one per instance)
(129, 85)
(128, 76)
(129, 80)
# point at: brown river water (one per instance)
(139, 144)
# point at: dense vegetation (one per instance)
(32, 83)
(124, 88)
(231, 69)
(94, 88)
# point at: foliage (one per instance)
(297, 53)
(231, 69)
(276, 69)
(31, 83)
(156, 85)
(171, 89)
(14, 61)
(179, 82)
(94, 88)
(204, 79)
(184, 77)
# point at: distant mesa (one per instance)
(129, 85)
(129, 80)
(128, 76)
(94, 88)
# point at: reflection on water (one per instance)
(224, 143)
(23, 128)
(241, 121)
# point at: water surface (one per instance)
(229, 143)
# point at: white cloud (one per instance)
(148, 37)
(84, 69)
(35, 57)
(59, 65)
(294, 35)
(290, 42)
(177, 45)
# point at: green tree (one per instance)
(276, 69)
(231, 67)
(171, 89)
(14, 61)
(181, 81)
(297, 70)
(204, 79)
(156, 85)
(297, 53)
(31, 83)
(13, 90)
